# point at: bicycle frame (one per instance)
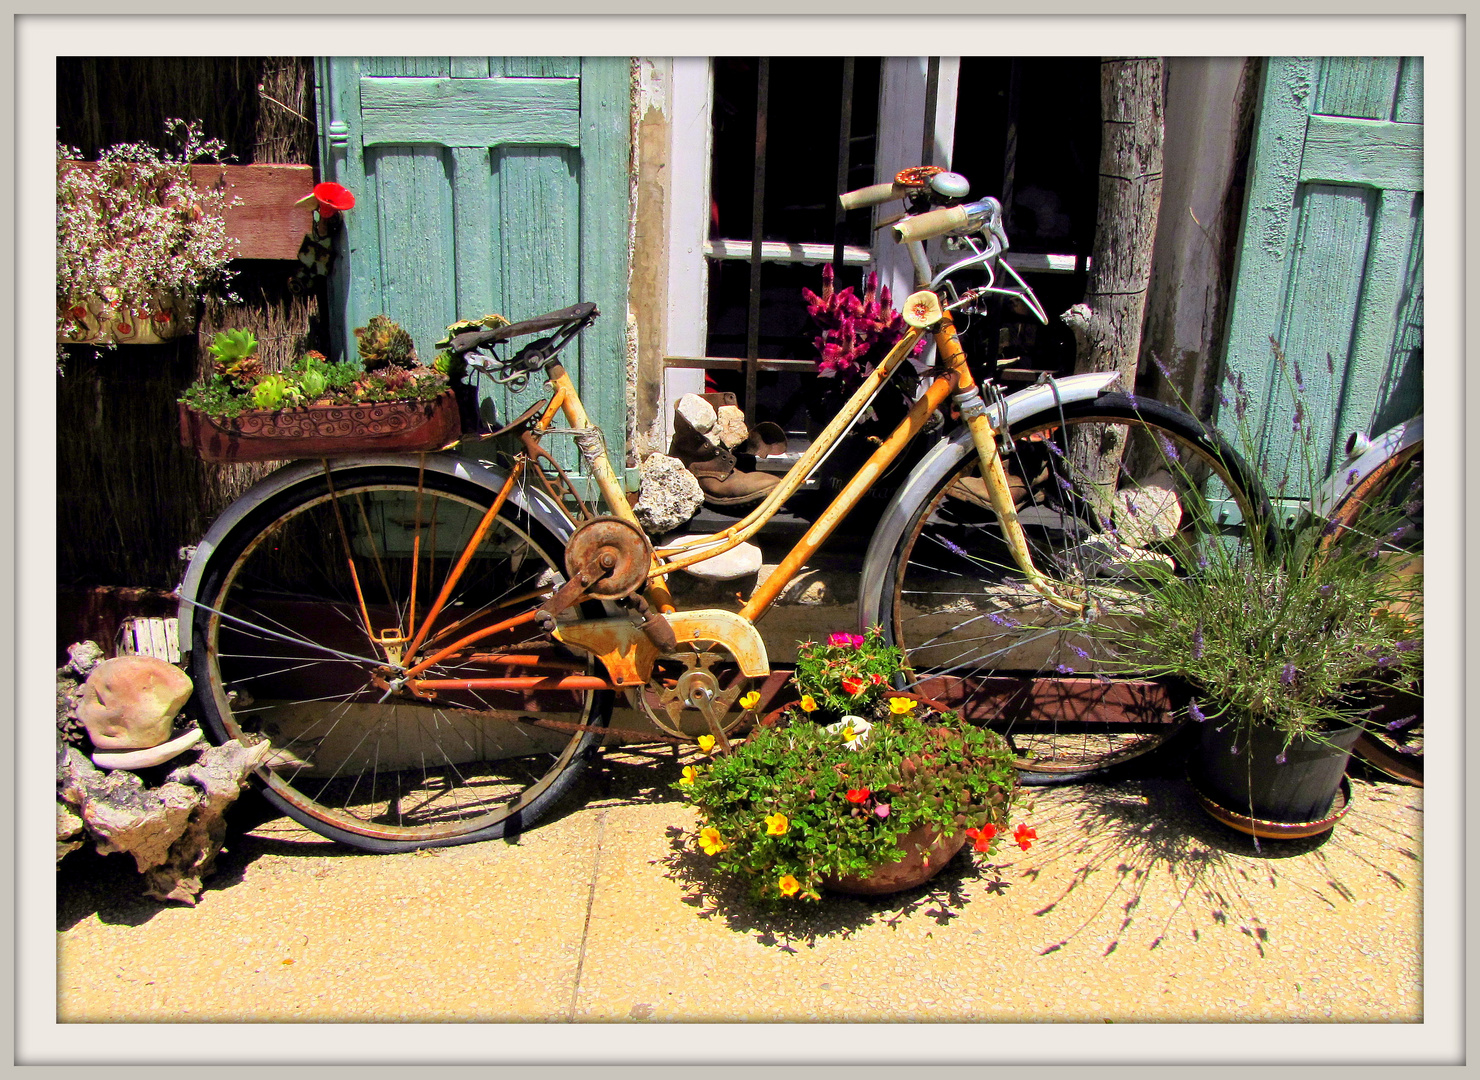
(953, 379)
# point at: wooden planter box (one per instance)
(323, 430)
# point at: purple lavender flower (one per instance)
(1165, 371)
(1405, 646)
(1326, 590)
(1396, 725)
(1000, 620)
(1279, 759)
(1330, 365)
(1288, 675)
(1299, 379)
(1079, 652)
(1233, 749)
(1197, 643)
(1351, 478)
(1196, 713)
(1299, 416)
(1064, 669)
(1385, 661)
(953, 548)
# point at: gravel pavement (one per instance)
(1132, 907)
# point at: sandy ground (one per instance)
(1133, 907)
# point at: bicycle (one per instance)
(1377, 493)
(433, 645)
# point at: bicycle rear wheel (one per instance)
(1105, 489)
(282, 652)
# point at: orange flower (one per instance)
(982, 838)
(858, 795)
(1024, 836)
(788, 885)
(809, 703)
(853, 687)
(710, 840)
(777, 824)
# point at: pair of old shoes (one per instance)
(708, 431)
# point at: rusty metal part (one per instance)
(652, 624)
(601, 469)
(568, 595)
(916, 176)
(700, 681)
(629, 653)
(560, 489)
(610, 556)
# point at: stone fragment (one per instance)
(670, 493)
(130, 702)
(729, 426)
(84, 656)
(1103, 557)
(699, 414)
(1148, 512)
(739, 561)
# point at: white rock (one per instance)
(741, 560)
(670, 493)
(729, 426)
(698, 412)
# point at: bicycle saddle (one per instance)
(477, 339)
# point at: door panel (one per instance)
(1331, 262)
(485, 185)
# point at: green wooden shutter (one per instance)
(485, 185)
(1331, 261)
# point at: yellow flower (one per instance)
(809, 703)
(788, 885)
(751, 700)
(709, 840)
(900, 705)
(776, 824)
(690, 774)
(706, 743)
(849, 734)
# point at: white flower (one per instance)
(852, 729)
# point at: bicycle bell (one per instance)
(950, 185)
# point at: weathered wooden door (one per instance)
(485, 185)
(1331, 261)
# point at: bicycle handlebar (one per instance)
(872, 196)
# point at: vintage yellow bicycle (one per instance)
(433, 645)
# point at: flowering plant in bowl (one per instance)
(847, 673)
(859, 804)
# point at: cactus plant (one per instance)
(384, 342)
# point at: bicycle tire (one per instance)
(1396, 751)
(280, 652)
(956, 603)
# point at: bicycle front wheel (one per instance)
(303, 612)
(1105, 491)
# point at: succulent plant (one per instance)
(271, 392)
(232, 345)
(313, 382)
(384, 342)
(464, 326)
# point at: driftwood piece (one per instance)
(173, 831)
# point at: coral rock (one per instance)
(670, 494)
(729, 426)
(130, 702)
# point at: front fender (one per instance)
(943, 457)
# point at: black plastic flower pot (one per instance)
(1300, 790)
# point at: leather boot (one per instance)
(714, 466)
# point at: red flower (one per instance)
(982, 838)
(853, 687)
(876, 679)
(858, 795)
(1024, 837)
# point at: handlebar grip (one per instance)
(871, 196)
(932, 223)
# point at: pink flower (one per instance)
(882, 809)
(853, 640)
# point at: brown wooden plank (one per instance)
(1053, 700)
(266, 225)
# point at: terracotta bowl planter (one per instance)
(323, 430)
(926, 854)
